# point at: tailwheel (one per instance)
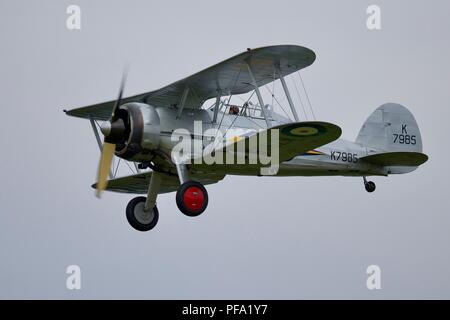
(370, 186)
(139, 218)
(192, 198)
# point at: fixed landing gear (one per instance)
(139, 218)
(369, 185)
(142, 213)
(192, 198)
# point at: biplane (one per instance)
(141, 129)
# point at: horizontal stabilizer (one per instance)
(407, 159)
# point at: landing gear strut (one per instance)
(369, 185)
(142, 213)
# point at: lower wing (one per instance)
(139, 183)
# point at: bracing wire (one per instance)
(234, 120)
(240, 98)
(129, 167)
(300, 98)
(307, 96)
(117, 168)
(276, 100)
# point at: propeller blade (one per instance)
(104, 167)
(109, 148)
(122, 86)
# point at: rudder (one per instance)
(390, 128)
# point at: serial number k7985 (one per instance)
(404, 137)
(344, 156)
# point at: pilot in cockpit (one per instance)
(234, 110)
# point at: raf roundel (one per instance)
(305, 130)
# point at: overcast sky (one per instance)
(267, 237)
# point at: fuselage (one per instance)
(340, 157)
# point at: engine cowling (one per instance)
(135, 130)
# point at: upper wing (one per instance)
(139, 183)
(228, 77)
(294, 138)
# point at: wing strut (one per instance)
(288, 95)
(216, 107)
(258, 94)
(183, 101)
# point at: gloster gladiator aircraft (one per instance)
(141, 129)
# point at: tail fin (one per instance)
(392, 131)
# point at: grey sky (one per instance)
(260, 237)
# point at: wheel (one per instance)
(370, 186)
(192, 198)
(140, 219)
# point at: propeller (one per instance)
(113, 130)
